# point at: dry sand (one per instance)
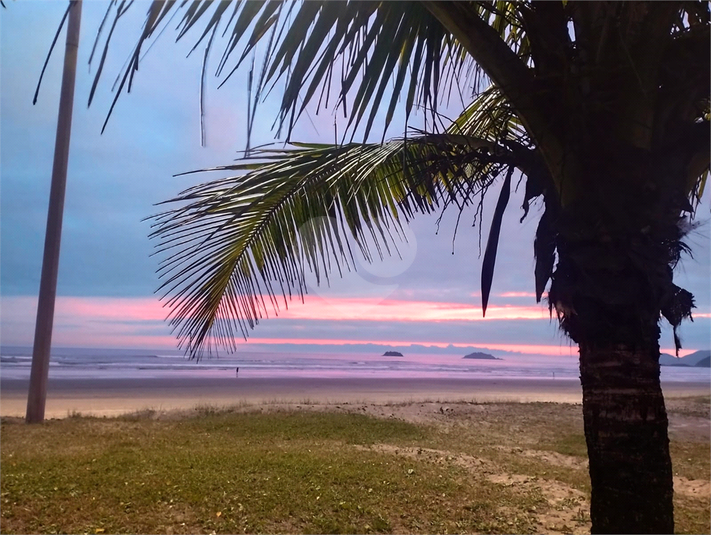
(109, 397)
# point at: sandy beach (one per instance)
(110, 397)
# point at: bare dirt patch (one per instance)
(566, 509)
(692, 488)
(550, 457)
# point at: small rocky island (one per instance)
(392, 354)
(481, 356)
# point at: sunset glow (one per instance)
(128, 309)
(140, 323)
(391, 310)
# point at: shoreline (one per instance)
(116, 396)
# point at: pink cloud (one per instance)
(89, 322)
(112, 308)
(358, 309)
(138, 322)
(518, 294)
(132, 309)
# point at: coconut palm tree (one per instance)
(603, 107)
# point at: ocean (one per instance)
(80, 363)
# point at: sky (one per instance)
(107, 276)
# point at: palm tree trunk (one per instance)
(610, 285)
(39, 373)
(626, 433)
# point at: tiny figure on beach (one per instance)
(553, 375)
(236, 372)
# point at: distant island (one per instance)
(392, 354)
(481, 356)
(698, 359)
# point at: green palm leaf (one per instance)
(234, 244)
(376, 44)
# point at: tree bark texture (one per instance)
(612, 312)
(626, 433)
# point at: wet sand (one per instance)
(108, 397)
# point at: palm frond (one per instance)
(492, 245)
(376, 44)
(49, 54)
(234, 244)
(491, 116)
(387, 52)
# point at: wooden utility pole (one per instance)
(37, 394)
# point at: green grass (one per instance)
(307, 472)
(281, 472)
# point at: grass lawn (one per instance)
(410, 468)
